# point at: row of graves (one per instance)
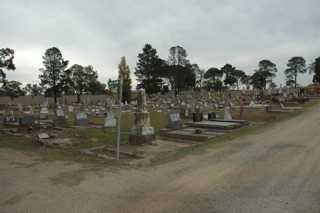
(194, 117)
(203, 126)
(191, 118)
(18, 119)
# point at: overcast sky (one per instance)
(214, 32)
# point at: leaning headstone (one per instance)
(175, 121)
(81, 119)
(142, 132)
(110, 120)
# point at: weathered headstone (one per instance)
(20, 107)
(175, 120)
(70, 108)
(142, 132)
(44, 113)
(10, 118)
(61, 118)
(227, 113)
(60, 112)
(110, 120)
(81, 119)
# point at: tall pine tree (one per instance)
(148, 70)
(315, 68)
(51, 74)
(124, 71)
(295, 66)
(6, 62)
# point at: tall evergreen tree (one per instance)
(213, 78)
(83, 80)
(75, 78)
(259, 79)
(51, 74)
(295, 66)
(178, 56)
(315, 68)
(230, 75)
(148, 70)
(199, 75)
(124, 71)
(6, 62)
(263, 75)
(269, 69)
(67, 82)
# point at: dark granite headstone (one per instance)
(26, 120)
(197, 117)
(212, 115)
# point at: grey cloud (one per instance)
(240, 32)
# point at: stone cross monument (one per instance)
(142, 132)
(227, 110)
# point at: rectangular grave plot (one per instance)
(189, 134)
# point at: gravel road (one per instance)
(276, 170)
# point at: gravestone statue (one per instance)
(142, 132)
(175, 120)
(110, 121)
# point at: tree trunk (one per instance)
(78, 98)
(55, 96)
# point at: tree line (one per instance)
(153, 74)
(56, 79)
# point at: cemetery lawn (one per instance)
(92, 137)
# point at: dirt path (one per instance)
(276, 170)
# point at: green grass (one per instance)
(89, 137)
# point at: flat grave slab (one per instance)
(243, 122)
(220, 125)
(190, 134)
